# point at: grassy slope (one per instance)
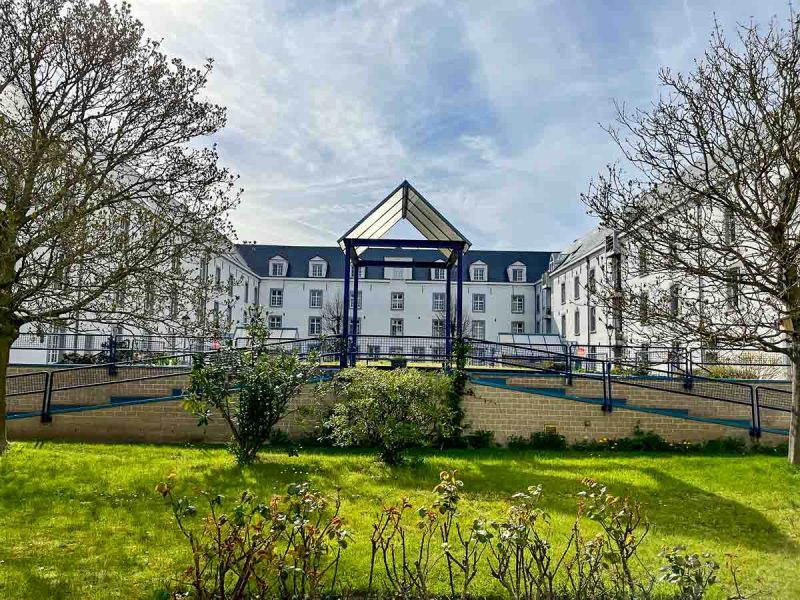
(80, 521)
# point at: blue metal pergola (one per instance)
(405, 202)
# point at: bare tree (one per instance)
(106, 187)
(466, 321)
(332, 316)
(708, 207)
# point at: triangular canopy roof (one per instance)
(407, 203)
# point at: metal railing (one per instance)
(613, 372)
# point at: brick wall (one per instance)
(506, 412)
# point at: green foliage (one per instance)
(692, 573)
(539, 440)
(479, 439)
(250, 389)
(389, 410)
(458, 390)
(287, 548)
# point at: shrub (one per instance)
(390, 410)
(479, 439)
(288, 548)
(539, 440)
(691, 572)
(251, 389)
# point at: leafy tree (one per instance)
(390, 410)
(708, 202)
(250, 389)
(106, 185)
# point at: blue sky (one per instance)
(491, 109)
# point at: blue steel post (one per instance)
(448, 316)
(346, 303)
(354, 348)
(459, 292)
(756, 429)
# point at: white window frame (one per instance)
(479, 303)
(576, 322)
(479, 325)
(478, 272)
(563, 288)
(360, 298)
(517, 274)
(312, 294)
(277, 268)
(400, 327)
(272, 319)
(442, 297)
(515, 300)
(314, 325)
(316, 269)
(592, 319)
(517, 326)
(274, 294)
(438, 328)
(576, 287)
(397, 300)
(438, 274)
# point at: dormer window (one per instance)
(517, 273)
(278, 266)
(478, 271)
(397, 272)
(317, 267)
(438, 274)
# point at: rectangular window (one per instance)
(314, 326)
(518, 304)
(577, 288)
(517, 326)
(276, 297)
(439, 274)
(315, 298)
(358, 326)
(360, 299)
(479, 274)
(229, 315)
(398, 300)
(592, 319)
(563, 325)
(230, 285)
(255, 294)
(577, 323)
(437, 329)
(246, 292)
(563, 293)
(592, 284)
(643, 261)
(479, 330)
(217, 275)
(277, 269)
(439, 299)
(275, 322)
(396, 327)
(538, 303)
(317, 270)
(373, 351)
(730, 227)
(478, 302)
(517, 274)
(418, 352)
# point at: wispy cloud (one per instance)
(490, 109)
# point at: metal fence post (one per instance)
(568, 355)
(756, 412)
(46, 417)
(112, 354)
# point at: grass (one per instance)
(83, 521)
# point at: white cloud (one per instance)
(490, 109)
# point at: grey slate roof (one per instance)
(257, 258)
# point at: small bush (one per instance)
(390, 410)
(481, 438)
(250, 389)
(539, 440)
(287, 548)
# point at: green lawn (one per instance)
(83, 521)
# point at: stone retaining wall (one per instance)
(505, 412)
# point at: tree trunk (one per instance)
(5, 351)
(794, 427)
